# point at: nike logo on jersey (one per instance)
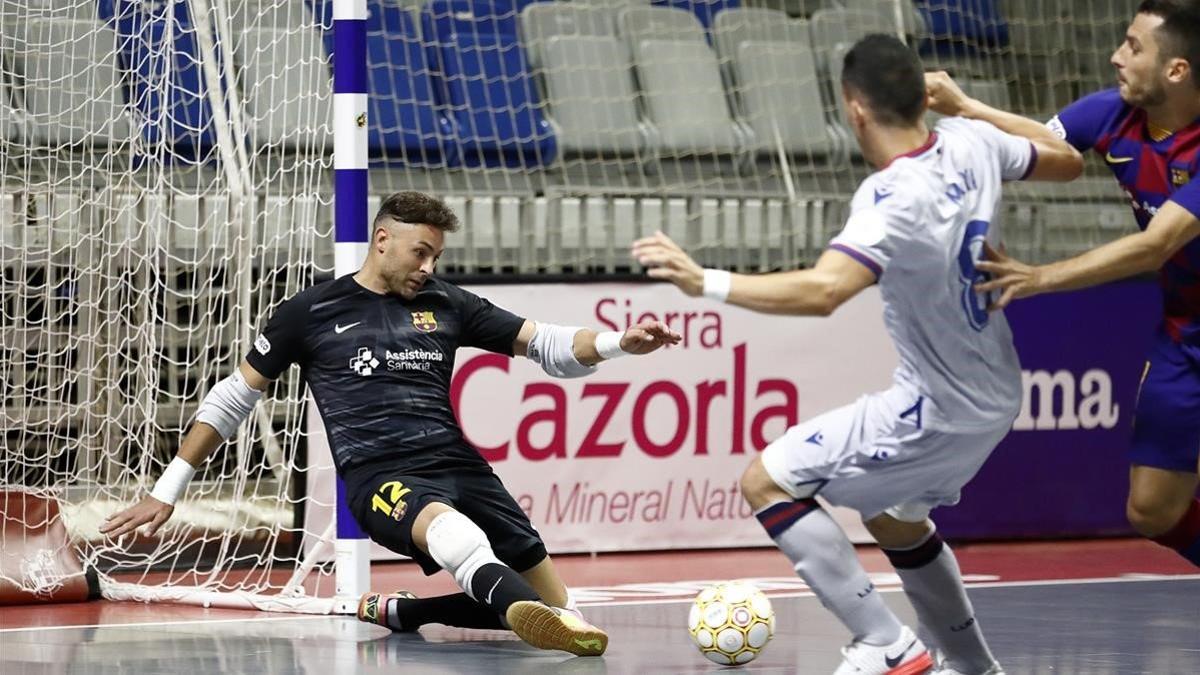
(488, 601)
(892, 662)
(881, 195)
(339, 329)
(815, 439)
(1108, 157)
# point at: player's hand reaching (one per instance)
(666, 260)
(1012, 277)
(148, 510)
(944, 94)
(646, 336)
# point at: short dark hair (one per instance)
(1179, 34)
(417, 208)
(889, 75)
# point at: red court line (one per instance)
(1025, 561)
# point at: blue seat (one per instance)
(405, 125)
(184, 119)
(705, 10)
(963, 27)
(485, 83)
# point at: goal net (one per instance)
(164, 181)
(166, 178)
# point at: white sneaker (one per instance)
(906, 656)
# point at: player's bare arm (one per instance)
(812, 292)
(1146, 251)
(199, 443)
(587, 344)
(1057, 161)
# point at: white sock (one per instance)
(933, 583)
(823, 556)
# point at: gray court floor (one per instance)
(1147, 626)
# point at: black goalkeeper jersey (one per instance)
(379, 366)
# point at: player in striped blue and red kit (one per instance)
(1147, 130)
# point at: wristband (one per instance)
(608, 345)
(173, 481)
(717, 284)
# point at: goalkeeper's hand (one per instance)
(148, 510)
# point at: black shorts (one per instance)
(385, 498)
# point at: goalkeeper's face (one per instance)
(1141, 69)
(410, 255)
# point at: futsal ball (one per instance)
(731, 623)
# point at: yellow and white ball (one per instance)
(731, 623)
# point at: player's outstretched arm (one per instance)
(221, 412)
(1057, 160)
(815, 292)
(1146, 251)
(571, 352)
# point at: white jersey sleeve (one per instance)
(881, 218)
(1017, 155)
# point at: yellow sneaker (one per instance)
(548, 627)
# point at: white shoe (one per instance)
(906, 656)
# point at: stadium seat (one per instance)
(681, 82)
(543, 20)
(970, 24)
(915, 28)
(483, 79)
(85, 104)
(157, 43)
(704, 10)
(585, 70)
(283, 72)
(774, 73)
(404, 124)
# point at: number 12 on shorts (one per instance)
(389, 499)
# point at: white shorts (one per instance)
(868, 457)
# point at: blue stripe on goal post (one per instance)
(352, 548)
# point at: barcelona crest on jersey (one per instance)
(424, 321)
(1179, 176)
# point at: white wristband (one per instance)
(608, 345)
(173, 481)
(717, 284)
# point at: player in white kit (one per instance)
(917, 228)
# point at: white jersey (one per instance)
(920, 224)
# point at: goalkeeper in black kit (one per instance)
(377, 350)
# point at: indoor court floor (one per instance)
(1103, 607)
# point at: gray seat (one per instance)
(682, 93)
(586, 75)
(776, 82)
(72, 90)
(735, 26)
(913, 22)
(541, 21)
(591, 95)
(288, 90)
(773, 70)
(684, 98)
(831, 27)
(638, 24)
